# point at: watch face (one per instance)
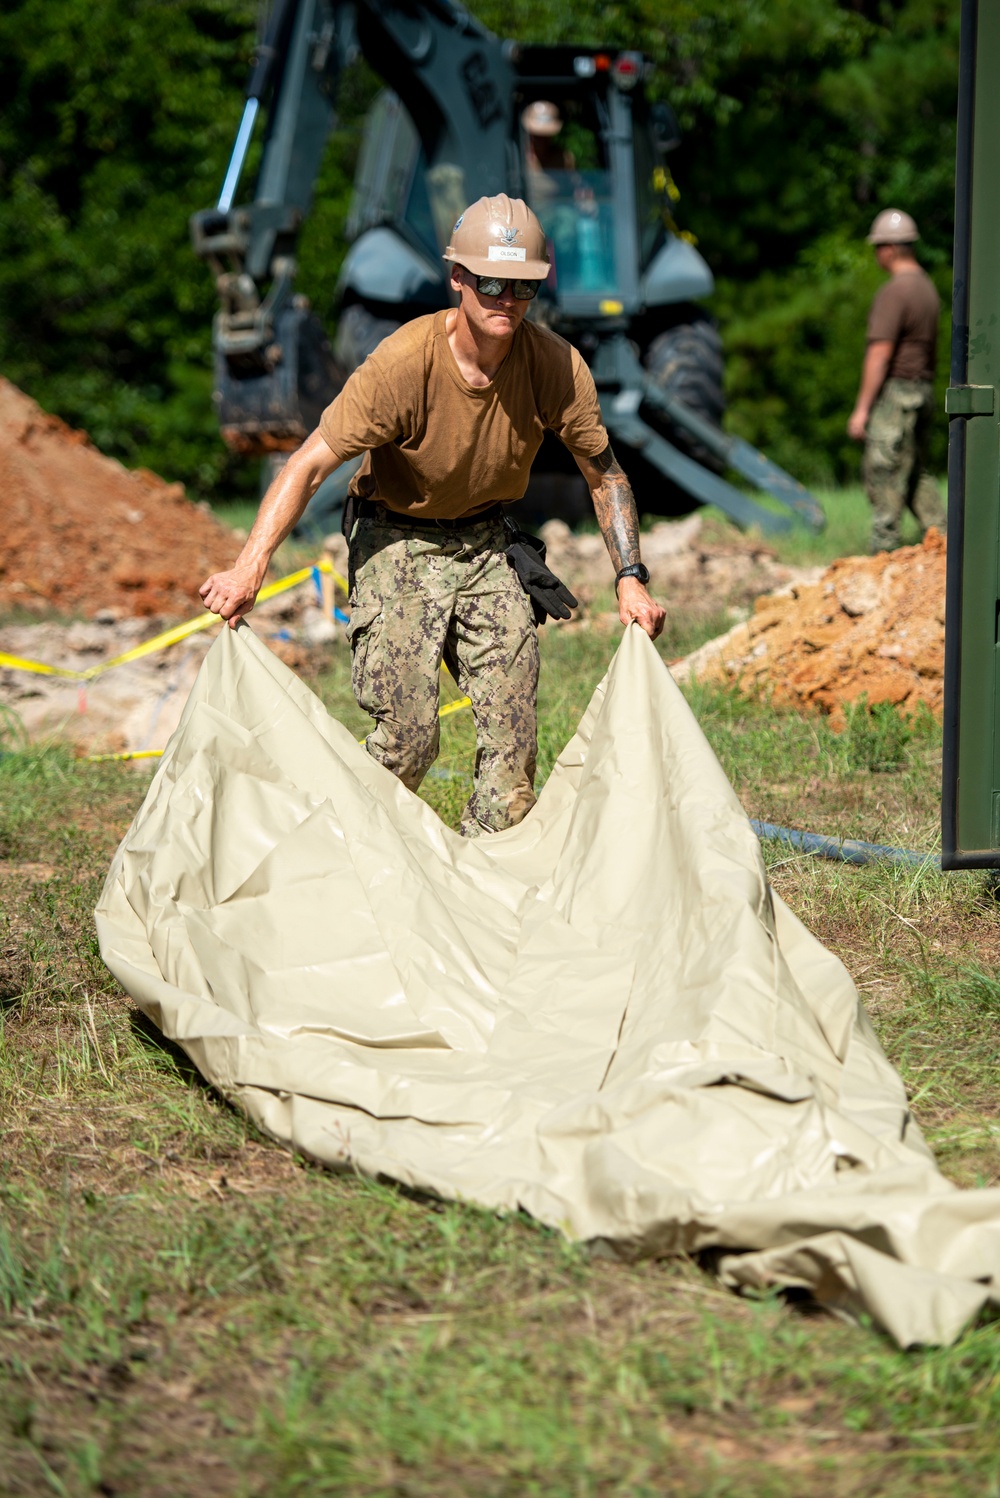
(637, 570)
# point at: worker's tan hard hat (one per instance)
(500, 236)
(542, 118)
(893, 226)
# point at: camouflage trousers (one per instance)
(895, 453)
(419, 598)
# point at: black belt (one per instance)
(370, 509)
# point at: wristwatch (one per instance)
(637, 569)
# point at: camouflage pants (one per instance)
(895, 452)
(419, 598)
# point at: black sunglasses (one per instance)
(493, 286)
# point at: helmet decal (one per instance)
(499, 228)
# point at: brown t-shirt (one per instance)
(905, 311)
(439, 447)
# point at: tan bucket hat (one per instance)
(542, 118)
(893, 226)
(500, 237)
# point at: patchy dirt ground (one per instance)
(693, 569)
(122, 553)
(869, 626)
(137, 706)
(80, 534)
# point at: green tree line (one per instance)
(800, 119)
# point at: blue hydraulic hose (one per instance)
(844, 849)
(239, 156)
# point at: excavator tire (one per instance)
(686, 361)
(358, 333)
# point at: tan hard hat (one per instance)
(893, 226)
(500, 236)
(542, 118)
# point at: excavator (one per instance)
(451, 125)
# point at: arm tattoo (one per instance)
(605, 460)
(616, 514)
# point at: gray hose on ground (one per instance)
(844, 850)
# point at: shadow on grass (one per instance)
(166, 1054)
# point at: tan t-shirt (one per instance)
(905, 311)
(439, 447)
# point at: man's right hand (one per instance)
(857, 425)
(232, 594)
(878, 356)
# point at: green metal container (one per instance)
(970, 803)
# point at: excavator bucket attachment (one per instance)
(625, 388)
(627, 427)
(739, 455)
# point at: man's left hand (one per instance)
(634, 603)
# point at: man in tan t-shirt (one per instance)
(450, 412)
(895, 404)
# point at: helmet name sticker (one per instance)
(506, 252)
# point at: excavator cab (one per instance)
(571, 189)
(598, 182)
(597, 178)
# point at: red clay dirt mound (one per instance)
(79, 533)
(872, 625)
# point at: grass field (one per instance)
(186, 1309)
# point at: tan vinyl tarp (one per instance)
(603, 1016)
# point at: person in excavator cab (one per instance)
(544, 153)
(450, 411)
(567, 202)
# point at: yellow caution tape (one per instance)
(454, 707)
(17, 663)
(100, 759)
(169, 636)
(158, 642)
(446, 707)
(173, 636)
(205, 621)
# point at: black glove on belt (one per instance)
(549, 596)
